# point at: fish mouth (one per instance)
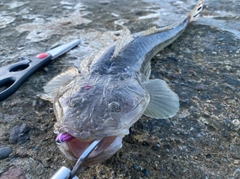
(77, 147)
(73, 148)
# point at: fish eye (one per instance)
(114, 107)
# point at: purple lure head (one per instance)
(63, 137)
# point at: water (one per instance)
(98, 22)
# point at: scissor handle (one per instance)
(13, 76)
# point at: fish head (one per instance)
(90, 109)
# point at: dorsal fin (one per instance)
(150, 31)
(125, 39)
(87, 62)
(196, 11)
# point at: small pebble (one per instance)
(19, 134)
(236, 173)
(208, 156)
(232, 81)
(235, 151)
(13, 173)
(225, 133)
(200, 87)
(146, 172)
(156, 147)
(136, 167)
(236, 122)
(5, 152)
(236, 162)
(122, 166)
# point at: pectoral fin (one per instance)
(164, 103)
(52, 87)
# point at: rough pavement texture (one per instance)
(202, 67)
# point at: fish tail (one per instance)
(196, 11)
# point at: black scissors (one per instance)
(14, 75)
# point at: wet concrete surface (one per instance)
(202, 67)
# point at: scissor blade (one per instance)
(56, 52)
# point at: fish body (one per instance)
(112, 91)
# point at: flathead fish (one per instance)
(112, 91)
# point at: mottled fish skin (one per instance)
(135, 55)
(113, 91)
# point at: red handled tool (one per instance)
(14, 75)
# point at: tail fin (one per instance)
(196, 11)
